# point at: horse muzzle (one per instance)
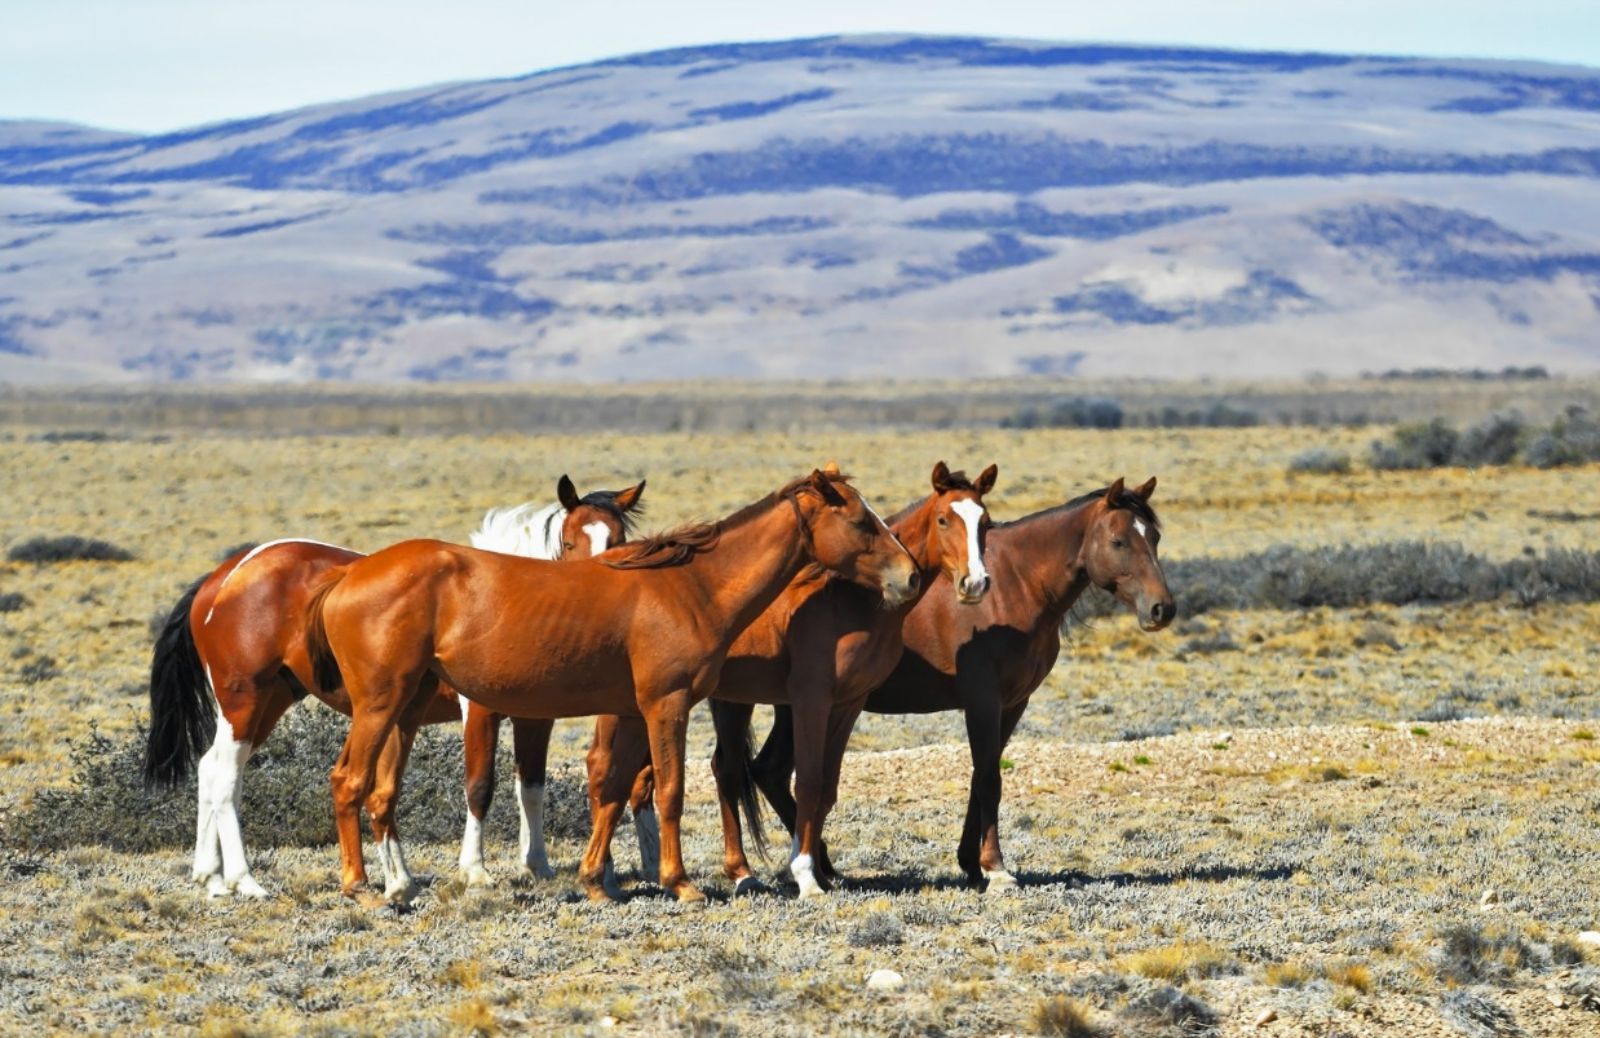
(970, 590)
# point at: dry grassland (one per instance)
(1252, 814)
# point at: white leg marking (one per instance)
(599, 537)
(472, 852)
(800, 868)
(1000, 881)
(971, 514)
(398, 887)
(648, 830)
(530, 801)
(217, 824)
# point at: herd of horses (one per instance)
(806, 600)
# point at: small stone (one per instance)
(1489, 899)
(608, 1021)
(1225, 737)
(885, 980)
(1590, 937)
(1557, 999)
(1266, 1016)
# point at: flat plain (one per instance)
(1368, 821)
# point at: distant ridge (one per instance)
(858, 207)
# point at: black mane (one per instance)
(1126, 500)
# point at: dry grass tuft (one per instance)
(1061, 1017)
(1177, 962)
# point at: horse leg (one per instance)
(641, 801)
(667, 720)
(377, 707)
(841, 722)
(810, 738)
(612, 764)
(252, 709)
(773, 767)
(728, 768)
(480, 734)
(399, 887)
(990, 859)
(983, 740)
(530, 741)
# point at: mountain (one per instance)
(856, 207)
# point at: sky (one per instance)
(153, 65)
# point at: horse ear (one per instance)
(1114, 493)
(1146, 488)
(831, 469)
(941, 477)
(820, 482)
(986, 479)
(628, 500)
(567, 494)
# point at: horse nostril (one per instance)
(914, 581)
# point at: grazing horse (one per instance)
(820, 648)
(230, 660)
(641, 630)
(987, 661)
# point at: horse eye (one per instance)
(1119, 543)
(943, 521)
(567, 545)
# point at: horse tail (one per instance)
(183, 715)
(739, 752)
(324, 667)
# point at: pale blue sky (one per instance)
(164, 64)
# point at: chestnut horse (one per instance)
(232, 650)
(641, 630)
(987, 661)
(820, 648)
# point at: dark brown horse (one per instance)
(641, 630)
(821, 648)
(231, 660)
(987, 661)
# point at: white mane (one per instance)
(528, 530)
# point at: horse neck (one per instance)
(750, 565)
(1038, 561)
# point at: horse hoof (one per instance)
(248, 887)
(749, 886)
(601, 895)
(477, 876)
(812, 891)
(216, 888)
(1000, 882)
(400, 893)
(539, 870)
(367, 898)
(689, 894)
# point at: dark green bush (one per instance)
(1572, 439)
(66, 549)
(286, 799)
(1419, 445)
(12, 601)
(1071, 413)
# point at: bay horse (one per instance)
(820, 648)
(230, 660)
(987, 661)
(640, 630)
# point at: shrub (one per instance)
(66, 549)
(1184, 960)
(1321, 461)
(1477, 1015)
(1060, 1016)
(38, 670)
(1493, 442)
(285, 794)
(1572, 439)
(878, 929)
(1165, 1005)
(12, 601)
(1074, 413)
(1419, 445)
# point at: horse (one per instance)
(987, 661)
(641, 630)
(820, 648)
(230, 660)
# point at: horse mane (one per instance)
(1126, 500)
(681, 543)
(534, 531)
(956, 481)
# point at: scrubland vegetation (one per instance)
(1351, 791)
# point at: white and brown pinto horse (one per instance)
(230, 660)
(640, 631)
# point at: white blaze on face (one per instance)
(971, 514)
(599, 536)
(1138, 524)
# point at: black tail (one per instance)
(324, 668)
(183, 717)
(733, 743)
